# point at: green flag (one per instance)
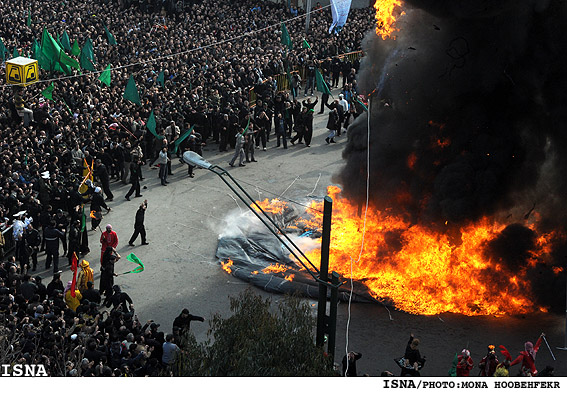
(48, 92)
(131, 91)
(247, 125)
(181, 139)
(286, 39)
(15, 53)
(161, 81)
(50, 58)
(76, 50)
(36, 50)
(3, 50)
(65, 43)
(110, 37)
(151, 125)
(105, 76)
(69, 61)
(134, 259)
(83, 220)
(49, 54)
(87, 56)
(305, 45)
(453, 369)
(28, 21)
(67, 106)
(321, 84)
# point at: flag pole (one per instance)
(548, 347)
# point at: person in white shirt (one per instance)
(162, 160)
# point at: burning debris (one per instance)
(248, 251)
(472, 138)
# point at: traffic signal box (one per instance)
(21, 71)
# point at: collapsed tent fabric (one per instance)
(253, 249)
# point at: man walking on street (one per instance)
(239, 151)
(139, 228)
(134, 177)
(52, 237)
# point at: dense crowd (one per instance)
(212, 54)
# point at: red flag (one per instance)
(74, 270)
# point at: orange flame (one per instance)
(424, 271)
(226, 266)
(277, 268)
(274, 206)
(386, 11)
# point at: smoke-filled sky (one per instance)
(468, 117)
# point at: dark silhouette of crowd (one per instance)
(212, 54)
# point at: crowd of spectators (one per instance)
(212, 53)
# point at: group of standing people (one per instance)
(490, 366)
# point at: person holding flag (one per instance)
(109, 258)
(527, 358)
(239, 150)
(72, 296)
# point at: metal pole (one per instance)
(307, 16)
(565, 346)
(333, 314)
(324, 271)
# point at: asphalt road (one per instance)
(184, 219)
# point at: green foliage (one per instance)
(257, 341)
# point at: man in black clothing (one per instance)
(28, 288)
(102, 173)
(310, 71)
(55, 283)
(134, 177)
(139, 228)
(182, 322)
(33, 241)
(119, 298)
(74, 240)
(413, 359)
(97, 203)
(52, 237)
(349, 369)
(44, 218)
(91, 293)
(61, 224)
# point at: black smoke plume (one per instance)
(467, 118)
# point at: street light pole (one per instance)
(324, 272)
(307, 16)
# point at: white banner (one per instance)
(339, 10)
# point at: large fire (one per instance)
(420, 270)
(387, 11)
